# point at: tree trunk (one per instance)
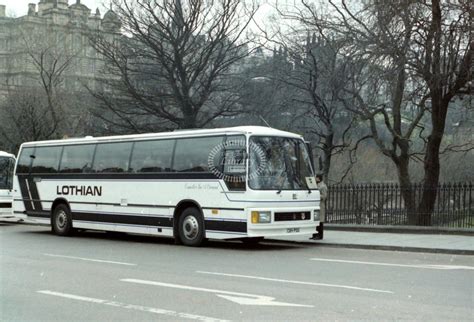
(406, 188)
(431, 162)
(327, 149)
(189, 119)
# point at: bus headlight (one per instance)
(259, 217)
(316, 215)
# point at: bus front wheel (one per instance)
(191, 227)
(62, 221)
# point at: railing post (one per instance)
(470, 210)
(438, 198)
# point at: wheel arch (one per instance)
(57, 202)
(178, 210)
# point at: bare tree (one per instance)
(409, 58)
(264, 99)
(445, 64)
(35, 108)
(317, 79)
(50, 55)
(171, 69)
(25, 117)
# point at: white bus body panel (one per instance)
(147, 206)
(156, 199)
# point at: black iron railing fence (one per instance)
(383, 204)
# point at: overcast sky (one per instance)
(19, 8)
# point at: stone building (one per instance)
(53, 35)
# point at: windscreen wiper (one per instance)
(298, 168)
(281, 185)
(298, 180)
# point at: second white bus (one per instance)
(231, 183)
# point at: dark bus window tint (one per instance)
(10, 180)
(233, 160)
(25, 160)
(46, 159)
(152, 156)
(112, 157)
(77, 158)
(192, 154)
(6, 172)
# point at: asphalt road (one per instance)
(98, 277)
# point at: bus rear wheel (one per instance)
(191, 227)
(62, 221)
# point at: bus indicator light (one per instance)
(254, 217)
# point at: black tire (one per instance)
(191, 227)
(252, 240)
(61, 222)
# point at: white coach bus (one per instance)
(7, 162)
(231, 183)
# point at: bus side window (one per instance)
(192, 154)
(46, 160)
(77, 158)
(152, 156)
(112, 157)
(24, 160)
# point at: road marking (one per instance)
(298, 282)
(240, 298)
(90, 259)
(440, 267)
(131, 306)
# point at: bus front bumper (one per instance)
(282, 222)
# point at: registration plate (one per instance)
(292, 230)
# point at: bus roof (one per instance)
(251, 130)
(5, 154)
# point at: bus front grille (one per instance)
(292, 216)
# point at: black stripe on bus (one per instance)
(24, 193)
(5, 204)
(231, 226)
(215, 225)
(125, 175)
(129, 205)
(220, 225)
(122, 219)
(94, 203)
(35, 194)
(39, 214)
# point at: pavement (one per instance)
(408, 241)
